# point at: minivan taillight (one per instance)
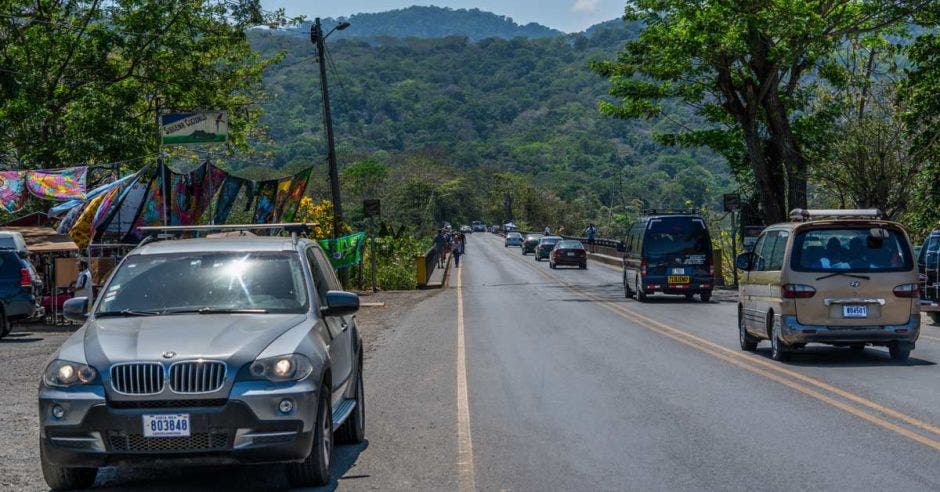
(711, 266)
(643, 268)
(25, 279)
(797, 291)
(907, 291)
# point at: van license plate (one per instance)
(679, 279)
(176, 425)
(854, 311)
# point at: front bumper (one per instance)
(245, 428)
(793, 332)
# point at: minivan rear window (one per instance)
(676, 236)
(851, 249)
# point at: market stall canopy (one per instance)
(44, 239)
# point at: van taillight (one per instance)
(25, 279)
(643, 268)
(907, 290)
(711, 266)
(797, 291)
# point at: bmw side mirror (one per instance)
(75, 309)
(743, 261)
(339, 303)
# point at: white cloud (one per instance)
(586, 5)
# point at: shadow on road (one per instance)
(20, 338)
(256, 477)
(824, 356)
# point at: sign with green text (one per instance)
(346, 251)
(193, 128)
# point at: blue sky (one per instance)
(564, 15)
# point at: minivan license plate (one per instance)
(679, 279)
(854, 311)
(174, 425)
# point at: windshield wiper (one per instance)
(210, 310)
(863, 277)
(127, 312)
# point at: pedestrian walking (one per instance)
(590, 232)
(440, 247)
(457, 249)
(548, 231)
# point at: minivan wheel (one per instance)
(5, 326)
(640, 295)
(748, 341)
(315, 470)
(63, 478)
(934, 316)
(705, 296)
(857, 348)
(900, 351)
(626, 287)
(689, 296)
(778, 350)
(353, 430)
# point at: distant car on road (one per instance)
(466, 229)
(928, 265)
(530, 243)
(207, 351)
(19, 286)
(839, 277)
(568, 252)
(513, 239)
(545, 247)
(668, 252)
(478, 226)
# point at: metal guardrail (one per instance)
(424, 266)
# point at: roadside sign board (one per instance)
(732, 202)
(371, 208)
(193, 128)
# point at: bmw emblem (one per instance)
(169, 355)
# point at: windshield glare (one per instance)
(850, 250)
(269, 281)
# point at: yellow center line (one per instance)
(750, 363)
(464, 442)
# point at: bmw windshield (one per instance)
(206, 282)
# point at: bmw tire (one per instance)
(353, 430)
(315, 470)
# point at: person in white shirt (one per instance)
(83, 285)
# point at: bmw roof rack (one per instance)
(156, 233)
(803, 214)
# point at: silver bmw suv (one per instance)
(207, 351)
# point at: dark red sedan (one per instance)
(568, 252)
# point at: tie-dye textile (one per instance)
(81, 232)
(59, 184)
(298, 186)
(70, 218)
(266, 193)
(227, 195)
(283, 190)
(108, 203)
(12, 190)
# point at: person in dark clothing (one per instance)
(440, 242)
(457, 249)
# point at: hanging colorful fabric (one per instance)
(59, 184)
(209, 181)
(298, 186)
(264, 210)
(108, 203)
(283, 190)
(12, 190)
(81, 232)
(227, 195)
(70, 219)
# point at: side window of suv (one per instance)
(319, 279)
(327, 270)
(762, 251)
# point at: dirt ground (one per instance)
(25, 352)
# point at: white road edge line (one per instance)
(464, 442)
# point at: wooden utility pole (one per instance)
(318, 38)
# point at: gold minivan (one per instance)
(838, 277)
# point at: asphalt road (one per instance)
(518, 377)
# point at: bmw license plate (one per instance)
(854, 311)
(679, 279)
(170, 425)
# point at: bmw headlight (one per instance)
(64, 374)
(291, 367)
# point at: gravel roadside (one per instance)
(24, 353)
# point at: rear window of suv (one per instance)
(676, 236)
(851, 249)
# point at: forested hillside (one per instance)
(525, 106)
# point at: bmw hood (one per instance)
(235, 338)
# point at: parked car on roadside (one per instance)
(928, 265)
(513, 239)
(19, 289)
(545, 247)
(838, 277)
(207, 351)
(671, 253)
(530, 243)
(568, 252)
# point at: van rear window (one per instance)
(676, 236)
(854, 249)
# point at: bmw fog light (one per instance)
(58, 412)
(286, 405)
